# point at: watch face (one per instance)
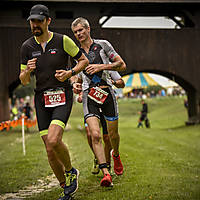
(73, 72)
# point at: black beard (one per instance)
(37, 33)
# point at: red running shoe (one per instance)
(106, 181)
(118, 167)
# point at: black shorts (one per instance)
(57, 115)
(109, 108)
(103, 124)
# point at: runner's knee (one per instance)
(54, 137)
(50, 154)
(96, 137)
(113, 134)
(106, 138)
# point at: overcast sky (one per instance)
(139, 22)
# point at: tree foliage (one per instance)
(23, 91)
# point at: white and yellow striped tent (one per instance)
(137, 81)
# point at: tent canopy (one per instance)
(137, 81)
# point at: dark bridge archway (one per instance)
(190, 92)
(172, 53)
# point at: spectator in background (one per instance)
(14, 112)
(21, 107)
(163, 94)
(143, 115)
(27, 110)
(186, 103)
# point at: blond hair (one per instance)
(80, 20)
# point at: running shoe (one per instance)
(71, 184)
(95, 168)
(106, 181)
(118, 167)
(63, 196)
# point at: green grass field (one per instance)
(161, 163)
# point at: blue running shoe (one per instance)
(71, 184)
(63, 196)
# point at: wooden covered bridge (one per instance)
(173, 53)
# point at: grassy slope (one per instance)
(160, 163)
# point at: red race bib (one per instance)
(54, 98)
(98, 95)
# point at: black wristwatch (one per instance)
(73, 72)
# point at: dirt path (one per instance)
(41, 186)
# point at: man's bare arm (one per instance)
(117, 65)
(119, 83)
(25, 74)
(62, 75)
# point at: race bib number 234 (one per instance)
(98, 95)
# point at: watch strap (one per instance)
(73, 72)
